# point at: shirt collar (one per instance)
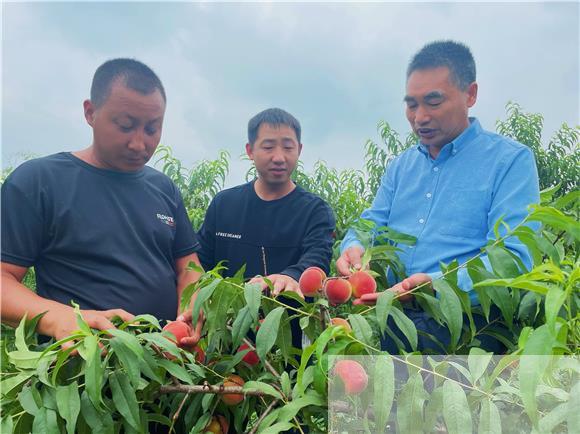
(460, 142)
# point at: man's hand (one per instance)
(351, 257)
(280, 283)
(61, 323)
(191, 341)
(401, 289)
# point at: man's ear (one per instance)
(89, 109)
(471, 94)
(299, 148)
(250, 151)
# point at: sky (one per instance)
(338, 67)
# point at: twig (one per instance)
(209, 388)
(262, 417)
(176, 415)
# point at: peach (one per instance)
(217, 425)
(178, 329)
(353, 376)
(199, 354)
(251, 357)
(337, 291)
(311, 281)
(362, 283)
(233, 398)
(341, 322)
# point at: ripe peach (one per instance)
(311, 281)
(217, 425)
(353, 376)
(178, 329)
(251, 357)
(337, 291)
(342, 323)
(362, 283)
(233, 398)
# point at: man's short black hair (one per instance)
(134, 75)
(453, 55)
(275, 117)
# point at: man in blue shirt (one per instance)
(453, 186)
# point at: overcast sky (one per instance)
(338, 67)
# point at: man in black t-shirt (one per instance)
(100, 228)
(272, 226)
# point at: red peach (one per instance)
(337, 291)
(353, 376)
(251, 357)
(341, 322)
(178, 329)
(233, 398)
(362, 283)
(311, 281)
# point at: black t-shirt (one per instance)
(102, 238)
(283, 236)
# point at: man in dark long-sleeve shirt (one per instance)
(274, 227)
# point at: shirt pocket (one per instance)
(464, 213)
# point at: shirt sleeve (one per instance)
(22, 222)
(515, 188)
(206, 238)
(317, 243)
(185, 239)
(379, 211)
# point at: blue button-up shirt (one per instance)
(451, 203)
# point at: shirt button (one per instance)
(428, 195)
(435, 169)
(421, 221)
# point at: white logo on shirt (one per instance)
(228, 235)
(166, 219)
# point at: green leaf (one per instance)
(451, 309)
(262, 387)
(266, 336)
(128, 340)
(176, 370)
(361, 328)
(530, 372)
(125, 399)
(11, 383)
(502, 262)
(573, 415)
(489, 418)
(68, 403)
(406, 326)
(290, 410)
(253, 297)
(241, 326)
(456, 412)
(162, 342)
(383, 307)
(99, 422)
(7, 425)
(300, 385)
(94, 370)
(554, 301)
(19, 333)
(30, 400)
(384, 390)
(478, 361)
(45, 422)
(202, 296)
(277, 428)
(126, 358)
(285, 383)
(284, 338)
(410, 406)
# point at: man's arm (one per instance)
(186, 277)
(59, 320)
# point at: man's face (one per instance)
(436, 109)
(126, 128)
(275, 153)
